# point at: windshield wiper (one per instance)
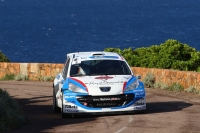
(75, 75)
(98, 74)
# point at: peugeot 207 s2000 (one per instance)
(97, 82)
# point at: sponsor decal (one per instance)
(102, 56)
(138, 90)
(69, 96)
(139, 94)
(107, 99)
(104, 99)
(96, 56)
(104, 82)
(96, 99)
(71, 107)
(71, 110)
(139, 103)
(106, 104)
(140, 107)
(114, 99)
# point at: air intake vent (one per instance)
(97, 54)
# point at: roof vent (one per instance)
(98, 54)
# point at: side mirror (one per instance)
(138, 77)
(60, 79)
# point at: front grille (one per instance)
(105, 101)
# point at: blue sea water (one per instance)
(46, 30)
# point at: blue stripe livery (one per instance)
(69, 80)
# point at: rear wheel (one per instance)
(56, 109)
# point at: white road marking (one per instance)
(130, 119)
(120, 130)
(123, 128)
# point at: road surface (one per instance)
(167, 112)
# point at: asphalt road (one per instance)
(167, 112)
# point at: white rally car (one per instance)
(97, 82)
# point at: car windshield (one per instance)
(100, 67)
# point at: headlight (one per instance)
(75, 88)
(132, 86)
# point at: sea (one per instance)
(44, 31)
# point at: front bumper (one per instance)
(103, 104)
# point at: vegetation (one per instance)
(11, 115)
(8, 77)
(149, 80)
(48, 78)
(160, 85)
(191, 89)
(169, 55)
(20, 77)
(3, 58)
(176, 87)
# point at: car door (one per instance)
(60, 80)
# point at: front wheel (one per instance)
(63, 115)
(56, 109)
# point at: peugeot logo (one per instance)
(105, 89)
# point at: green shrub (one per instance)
(169, 55)
(11, 116)
(149, 80)
(191, 89)
(198, 92)
(160, 85)
(3, 58)
(8, 77)
(164, 86)
(48, 78)
(176, 87)
(157, 85)
(20, 77)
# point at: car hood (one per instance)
(104, 85)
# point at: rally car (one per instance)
(95, 83)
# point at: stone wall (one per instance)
(37, 71)
(34, 71)
(167, 76)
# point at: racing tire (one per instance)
(141, 111)
(56, 109)
(63, 115)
